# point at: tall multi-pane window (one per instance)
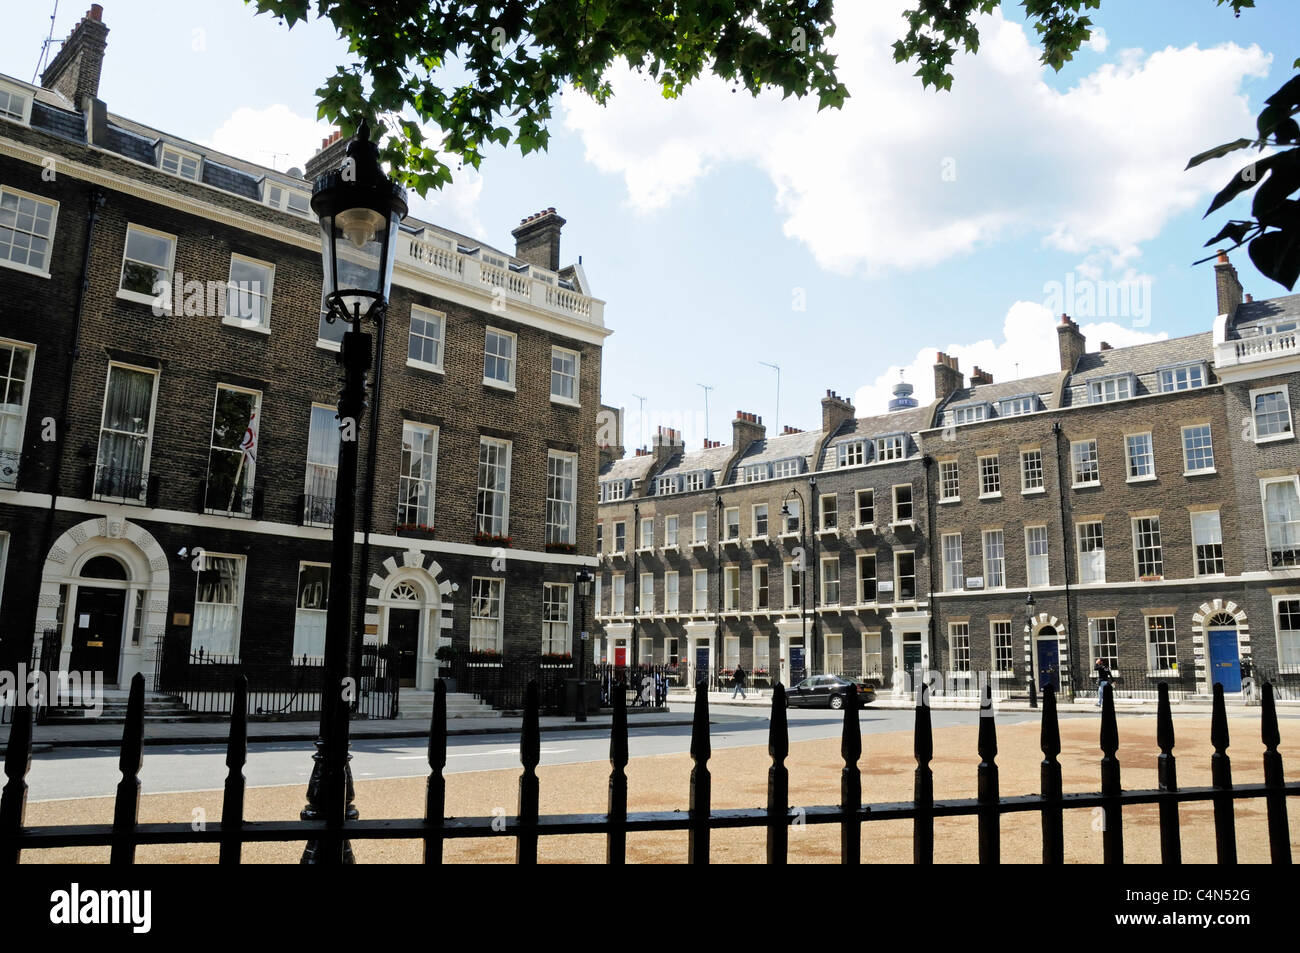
(700, 590)
(147, 260)
(990, 476)
(646, 594)
(1288, 634)
(760, 586)
(760, 520)
(217, 604)
(1282, 522)
(248, 292)
(959, 646)
(949, 481)
(564, 375)
(1103, 641)
(647, 533)
(701, 528)
(903, 503)
(26, 230)
(557, 615)
(1198, 449)
(1092, 552)
(600, 539)
(731, 519)
(485, 615)
(1182, 378)
(499, 358)
(830, 580)
(417, 481)
(1207, 540)
(126, 434)
(995, 559)
(866, 507)
(1083, 459)
(790, 509)
(322, 466)
(1031, 470)
(1146, 547)
(829, 511)
(1139, 456)
(620, 537)
(872, 655)
(618, 595)
(867, 578)
(1004, 658)
(493, 505)
(561, 491)
(1162, 647)
(834, 643)
(1036, 555)
(1271, 410)
(731, 587)
(953, 572)
(905, 576)
(670, 531)
(312, 608)
(793, 586)
(15, 371)
(672, 592)
(424, 343)
(232, 451)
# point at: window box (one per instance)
(698, 544)
(790, 534)
(557, 659)
(732, 541)
(491, 539)
(867, 529)
(991, 496)
(1151, 578)
(1033, 491)
(670, 547)
(828, 531)
(414, 530)
(561, 548)
(763, 540)
(908, 525)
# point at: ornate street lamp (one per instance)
(359, 209)
(583, 579)
(803, 582)
(1029, 627)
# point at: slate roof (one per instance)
(1141, 360)
(714, 459)
(909, 421)
(783, 447)
(1045, 386)
(1251, 314)
(629, 468)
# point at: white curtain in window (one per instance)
(124, 440)
(1282, 512)
(322, 453)
(216, 607)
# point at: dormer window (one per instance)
(1110, 388)
(696, 481)
(972, 413)
(615, 490)
(287, 199)
(183, 164)
(852, 454)
(1182, 377)
(1014, 406)
(15, 104)
(891, 447)
(755, 472)
(665, 486)
(782, 469)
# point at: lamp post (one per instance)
(359, 210)
(717, 618)
(803, 596)
(583, 580)
(1029, 627)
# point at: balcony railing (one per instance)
(317, 510)
(1284, 557)
(9, 461)
(128, 485)
(533, 285)
(1261, 347)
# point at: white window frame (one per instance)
(428, 316)
(671, 531)
(898, 576)
(645, 594)
(562, 532)
(949, 481)
(19, 416)
(285, 191)
(782, 469)
(1026, 470)
(181, 155)
(1002, 628)
(995, 563)
(672, 591)
(959, 648)
(1080, 552)
(665, 485)
(1031, 576)
(504, 495)
(696, 481)
(990, 475)
(618, 594)
(153, 419)
(1187, 460)
(475, 598)
(1269, 544)
(162, 301)
(646, 537)
(1151, 541)
(1289, 433)
(822, 512)
(699, 606)
(620, 529)
(54, 225)
(696, 541)
(793, 579)
(1109, 389)
(576, 399)
(1130, 457)
(790, 523)
(731, 588)
(251, 468)
(1216, 531)
(1170, 381)
(950, 550)
(513, 360)
(1075, 462)
(318, 468)
(299, 632)
(852, 453)
(18, 92)
(893, 447)
(549, 606)
(1109, 653)
(247, 324)
(870, 496)
(969, 414)
(911, 518)
(242, 562)
(864, 578)
(753, 521)
(730, 522)
(829, 577)
(762, 586)
(1152, 662)
(1288, 640)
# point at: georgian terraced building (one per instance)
(167, 384)
(1147, 497)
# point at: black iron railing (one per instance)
(1143, 684)
(10, 460)
(527, 826)
(39, 669)
(317, 510)
(502, 681)
(1281, 557)
(130, 485)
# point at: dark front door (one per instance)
(1049, 663)
(912, 662)
(1225, 665)
(797, 672)
(97, 632)
(404, 637)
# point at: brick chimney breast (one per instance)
(1227, 287)
(835, 412)
(74, 72)
(1071, 343)
(947, 376)
(537, 239)
(746, 429)
(979, 377)
(329, 157)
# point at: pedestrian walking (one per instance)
(738, 682)
(1103, 679)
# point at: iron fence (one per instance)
(642, 685)
(130, 485)
(10, 461)
(332, 836)
(42, 662)
(1140, 683)
(502, 681)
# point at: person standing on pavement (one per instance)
(1103, 679)
(738, 681)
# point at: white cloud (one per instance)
(905, 178)
(1097, 40)
(1028, 347)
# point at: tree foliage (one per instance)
(488, 72)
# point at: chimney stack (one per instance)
(787, 430)
(1105, 346)
(978, 377)
(537, 239)
(947, 377)
(667, 442)
(746, 429)
(328, 157)
(1227, 288)
(74, 73)
(835, 412)
(1071, 342)
(711, 444)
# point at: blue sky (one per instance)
(723, 231)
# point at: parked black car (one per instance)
(826, 691)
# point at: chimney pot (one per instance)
(1249, 298)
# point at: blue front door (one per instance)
(1225, 666)
(1049, 664)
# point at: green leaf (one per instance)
(1218, 152)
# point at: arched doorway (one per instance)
(1047, 656)
(403, 627)
(1224, 651)
(408, 611)
(99, 617)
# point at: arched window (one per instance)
(404, 592)
(103, 567)
(1222, 620)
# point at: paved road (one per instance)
(92, 772)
